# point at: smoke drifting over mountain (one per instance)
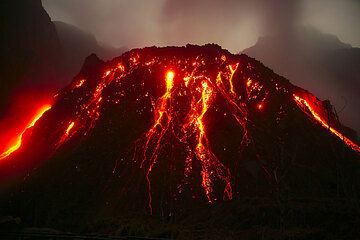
(235, 24)
(300, 53)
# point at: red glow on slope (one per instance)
(302, 102)
(232, 72)
(71, 125)
(107, 73)
(80, 83)
(194, 125)
(248, 83)
(169, 80)
(18, 142)
(121, 67)
(203, 152)
(193, 128)
(203, 90)
(158, 130)
(237, 110)
(66, 133)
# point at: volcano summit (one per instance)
(162, 129)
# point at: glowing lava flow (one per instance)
(232, 72)
(66, 134)
(18, 142)
(192, 129)
(177, 125)
(158, 130)
(80, 83)
(204, 154)
(211, 166)
(316, 116)
(71, 125)
(238, 110)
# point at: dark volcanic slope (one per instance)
(163, 129)
(316, 61)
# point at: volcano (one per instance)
(163, 130)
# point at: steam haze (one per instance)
(307, 55)
(234, 24)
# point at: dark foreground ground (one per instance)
(246, 219)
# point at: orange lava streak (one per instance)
(66, 133)
(169, 81)
(219, 81)
(201, 150)
(18, 142)
(80, 83)
(248, 82)
(317, 117)
(232, 72)
(210, 163)
(237, 110)
(69, 128)
(107, 73)
(160, 127)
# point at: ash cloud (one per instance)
(130, 23)
(234, 24)
(281, 16)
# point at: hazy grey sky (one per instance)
(234, 24)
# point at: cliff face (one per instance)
(30, 48)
